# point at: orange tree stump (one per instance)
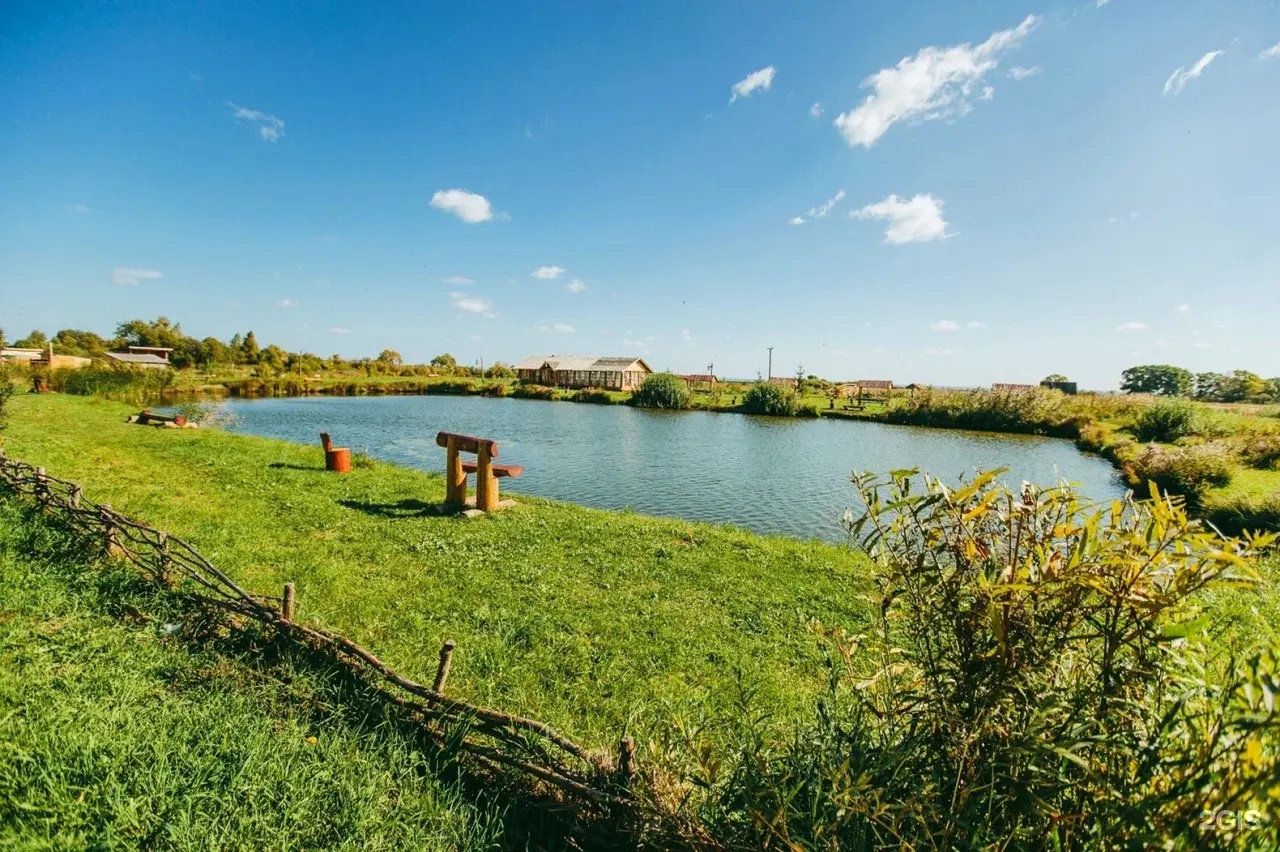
(336, 459)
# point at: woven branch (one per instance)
(155, 553)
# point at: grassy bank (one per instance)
(590, 620)
(117, 733)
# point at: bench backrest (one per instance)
(326, 442)
(468, 443)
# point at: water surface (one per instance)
(771, 475)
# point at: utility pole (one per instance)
(770, 362)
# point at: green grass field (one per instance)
(116, 734)
(589, 620)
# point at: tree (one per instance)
(272, 358)
(1158, 379)
(1053, 378)
(1208, 386)
(1243, 385)
(3, 343)
(71, 341)
(446, 361)
(249, 349)
(390, 357)
(499, 370)
(34, 340)
(662, 390)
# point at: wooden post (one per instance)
(325, 441)
(287, 603)
(486, 483)
(42, 488)
(74, 496)
(455, 476)
(627, 762)
(163, 550)
(109, 530)
(442, 671)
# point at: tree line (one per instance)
(242, 350)
(1168, 380)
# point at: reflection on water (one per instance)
(770, 475)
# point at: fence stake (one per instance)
(74, 496)
(164, 557)
(108, 530)
(442, 671)
(42, 488)
(287, 603)
(627, 761)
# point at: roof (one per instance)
(581, 362)
(151, 348)
(699, 377)
(137, 358)
(878, 384)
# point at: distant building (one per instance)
(700, 379)
(160, 352)
(1069, 388)
(19, 354)
(785, 382)
(584, 371)
(146, 360)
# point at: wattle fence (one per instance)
(498, 738)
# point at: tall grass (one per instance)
(1035, 412)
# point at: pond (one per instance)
(771, 475)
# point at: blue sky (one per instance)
(955, 193)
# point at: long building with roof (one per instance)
(584, 371)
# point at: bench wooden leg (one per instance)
(486, 482)
(455, 491)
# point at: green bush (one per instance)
(1019, 689)
(533, 392)
(771, 399)
(1245, 514)
(1167, 421)
(597, 397)
(1261, 451)
(130, 384)
(1189, 471)
(6, 390)
(662, 390)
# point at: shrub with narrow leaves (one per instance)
(1038, 678)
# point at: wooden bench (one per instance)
(149, 418)
(487, 473)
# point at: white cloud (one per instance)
(1132, 326)
(340, 330)
(468, 206)
(686, 335)
(815, 111)
(134, 277)
(1102, 3)
(270, 128)
(1133, 214)
(457, 281)
(548, 273)
(472, 304)
(818, 210)
(79, 208)
(563, 328)
(975, 324)
(1272, 52)
(1017, 72)
(918, 220)
(286, 303)
(1183, 309)
(1181, 77)
(577, 285)
(944, 325)
(935, 83)
(988, 93)
(756, 81)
